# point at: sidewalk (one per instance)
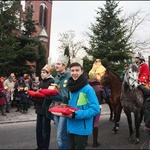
(14, 117)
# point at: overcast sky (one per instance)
(77, 16)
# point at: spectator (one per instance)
(13, 76)
(35, 84)
(9, 85)
(19, 87)
(83, 97)
(28, 81)
(2, 96)
(25, 99)
(6, 98)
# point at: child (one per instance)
(25, 102)
(6, 98)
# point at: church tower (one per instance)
(42, 13)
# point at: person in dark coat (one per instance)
(19, 87)
(95, 74)
(99, 93)
(146, 93)
(25, 100)
(43, 126)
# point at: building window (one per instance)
(43, 15)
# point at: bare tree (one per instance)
(134, 22)
(67, 41)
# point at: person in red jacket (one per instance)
(143, 69)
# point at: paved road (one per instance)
(19, 130)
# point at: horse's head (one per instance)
(131, 76)
(105, 80)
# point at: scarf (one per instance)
(75, 85)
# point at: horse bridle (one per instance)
(133, 80)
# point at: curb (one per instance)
(19, 121)
(16, 121)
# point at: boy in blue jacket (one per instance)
(83, 97)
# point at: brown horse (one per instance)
(113, 81)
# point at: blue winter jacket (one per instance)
(88, 106)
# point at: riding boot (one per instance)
(95, 136)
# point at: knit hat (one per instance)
(48, 68)
(62, 59)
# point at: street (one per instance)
(22, 136)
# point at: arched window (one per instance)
(31, 10)
(43, 15)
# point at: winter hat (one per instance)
(138, 55)
(62, 59)
(48, 68)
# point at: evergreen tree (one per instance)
(9, 22)
(39, 55)
(29, 23)
(15, 51)
(26, 52)
(107, 37)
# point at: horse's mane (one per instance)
(113, 72)
(134, 67)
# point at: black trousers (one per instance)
(77, 141)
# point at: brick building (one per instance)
(42, 13)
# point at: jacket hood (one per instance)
(21, 78)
